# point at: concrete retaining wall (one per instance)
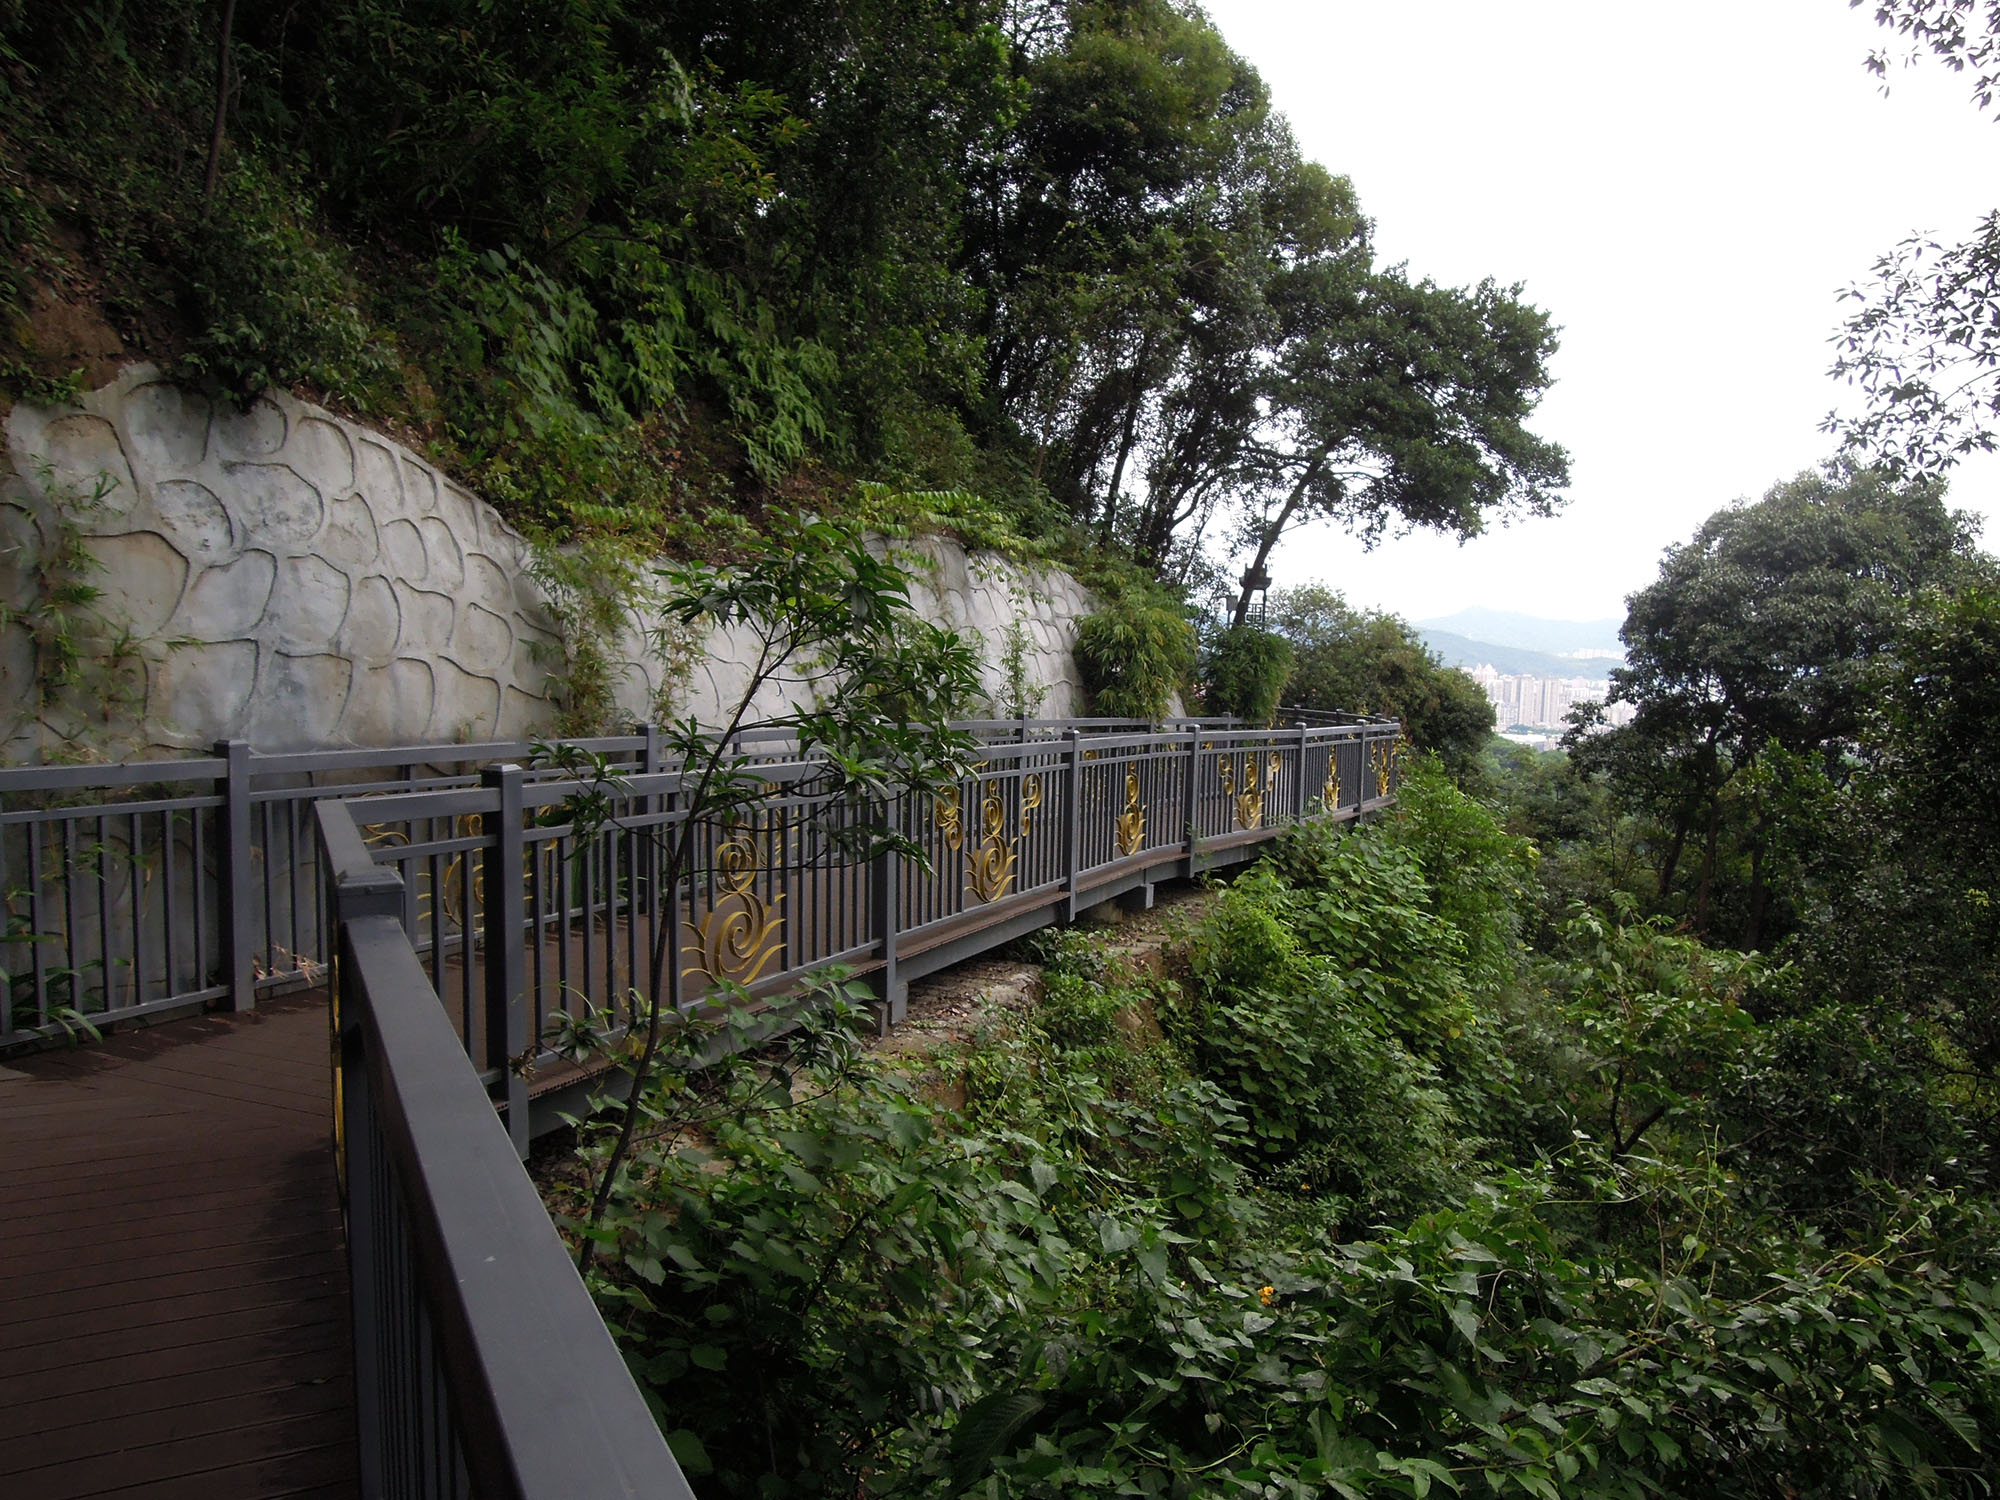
(293, 578)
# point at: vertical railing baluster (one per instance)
(885, 895)
(1299, 801)
(237, 914)
(1073, 817)
(506, 1014)
(137, 852)
(1191, 802)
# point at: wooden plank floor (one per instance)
(173, 1285)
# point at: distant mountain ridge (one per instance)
(1508, 628)
(1462, 651)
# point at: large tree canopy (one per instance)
(1748, 662)
(1185, 315)
(1059, 249)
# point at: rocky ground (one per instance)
(951, 1008)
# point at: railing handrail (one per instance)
(544, 1405)
(25, 780)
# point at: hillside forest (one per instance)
(1052, 273)
(1615, 1123)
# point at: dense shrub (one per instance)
(1135, 654)
(1246, 673)
(1385, 1206)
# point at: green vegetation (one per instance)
(1754, 663)
(1923, 340)
(1246, 673)
(887, 687)
(1454, 1153)
(1365, 1196)
(640, 271)
(83, 684)
(1135, 654)
(1344, 659)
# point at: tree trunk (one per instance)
(1274, 530)
(1125, 436)
(1671, 864)
(1754, 928)
(214, 173)
(1708, 863)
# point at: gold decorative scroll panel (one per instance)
(993, 864)
(1249, 784)
(741, 932)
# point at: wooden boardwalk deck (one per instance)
(173, 1285)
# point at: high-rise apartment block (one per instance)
(1542, 702)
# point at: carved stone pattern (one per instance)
(299, 581)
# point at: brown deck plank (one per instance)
(42, 1419)
(122, 1281)
(96, 1385)
(167, 1239)
(173, 1314)
(190, 1458)
(277, 1478)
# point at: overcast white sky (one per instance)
(1685, 187)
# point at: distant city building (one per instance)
(1543, 702)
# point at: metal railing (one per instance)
(469, 916)
(128, 891)
(131, 890)
(517, 921)
(482, 1367)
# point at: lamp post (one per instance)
(1257, 580)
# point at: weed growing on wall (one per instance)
(1020, 696)
(86, 677)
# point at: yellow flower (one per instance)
(1266, 1293)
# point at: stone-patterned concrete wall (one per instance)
(300, 581)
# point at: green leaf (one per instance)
(689, 1453)
(984, 1429)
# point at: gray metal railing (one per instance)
(467, 917)
(131, 890)
(1041, 830)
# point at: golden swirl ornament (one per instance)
(741, 932)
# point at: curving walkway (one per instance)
(173, 1282)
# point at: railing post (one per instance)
(1073, 816)
(885, 895)
(1190, 801)
(1299, 811)
(235, 893)
(506, 968)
